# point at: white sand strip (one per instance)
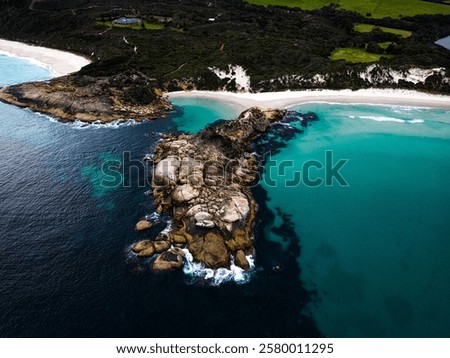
(59, 62)
(290, 98)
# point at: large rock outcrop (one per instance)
(90, 99)
(203, 181)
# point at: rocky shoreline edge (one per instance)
(203, 181)
(91, 99)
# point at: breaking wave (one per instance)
(389, 119)
(216, 277)
(77, 124)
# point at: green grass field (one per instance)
(377, 8)
(369, 28)
(147, 26)
(355, 55)
(384, 45)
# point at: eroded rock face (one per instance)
(90, 99)
(203, 181)
(144, 249)
(166, 172)
(169, 260)
(185, 192)
(210, 249)
(241, 260)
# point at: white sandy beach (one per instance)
(290, 98)
(59, 62)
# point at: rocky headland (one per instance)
(91, 99)
(203, 181)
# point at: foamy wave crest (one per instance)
(415, 121)
(284, 124)
(388, 119)
(46, 116)
(154, 217)
(100, 125)
(383, 119)
(77, 124)
(218, 276)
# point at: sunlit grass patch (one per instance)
(369, 28)
(370, 8)
(356, 55)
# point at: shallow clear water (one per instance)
(376, 251)
(20, 70)
(194, 114)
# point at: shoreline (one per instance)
(59, 62)
(283, 100)
(63, 63)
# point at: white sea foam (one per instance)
(389, 119)
(414, 121)
(218, 276)
(77, 124)
(46, 116)
(284, 124)
(383, 119)
(153, 217)
(169, 226)
(100, 125)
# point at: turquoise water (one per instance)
(14, 70)
(196, 113)
(376, 251)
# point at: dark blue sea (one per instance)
(368, 260)
(65, 264)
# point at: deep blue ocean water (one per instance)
(66, 269)
(65, 263)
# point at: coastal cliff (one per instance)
(203, 181)
(91, 99)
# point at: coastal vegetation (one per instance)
(369, 8)
(369, 28)
(144, 25)
(385, 45)
(220, 45)
(356, 55)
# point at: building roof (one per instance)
(127, 21)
